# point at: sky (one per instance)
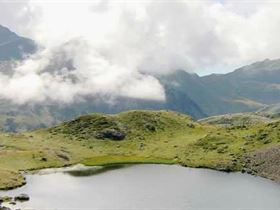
(117, 47)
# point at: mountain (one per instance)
(16, 118)
(14, 47)
(252, 86)
(246, 89)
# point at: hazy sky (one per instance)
(117, 45)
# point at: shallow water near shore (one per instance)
(146, 187)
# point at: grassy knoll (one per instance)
(136, 137)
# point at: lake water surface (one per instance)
(148, 187)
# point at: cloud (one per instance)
(73, 70)
(114, 48)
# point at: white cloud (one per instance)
(116, 46)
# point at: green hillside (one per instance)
(141, 137)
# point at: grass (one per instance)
(113, 160)
(10, 179)
(149, 137)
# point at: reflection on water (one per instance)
(146, 187)
(94, 170)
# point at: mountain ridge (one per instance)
(246, 89)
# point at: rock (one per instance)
(191, 125)
(227, 169)
(142, 145)
(249, 171)
(4, 208)
(13, 203)
(150, 127)
(5, 199)
(44, 159)
(22, 197)
(112, 134)
(63, 156)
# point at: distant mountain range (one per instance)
(246, 89)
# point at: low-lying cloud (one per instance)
(115, 48)
(71, 71)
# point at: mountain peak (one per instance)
(14, 47)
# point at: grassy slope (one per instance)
(151, 137)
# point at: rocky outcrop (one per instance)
(265, 163)
(112, 134)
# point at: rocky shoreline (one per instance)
(12, 201)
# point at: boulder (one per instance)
(44, 159)
(22, 197)
(111, 134)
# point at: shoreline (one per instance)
(88, 163)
